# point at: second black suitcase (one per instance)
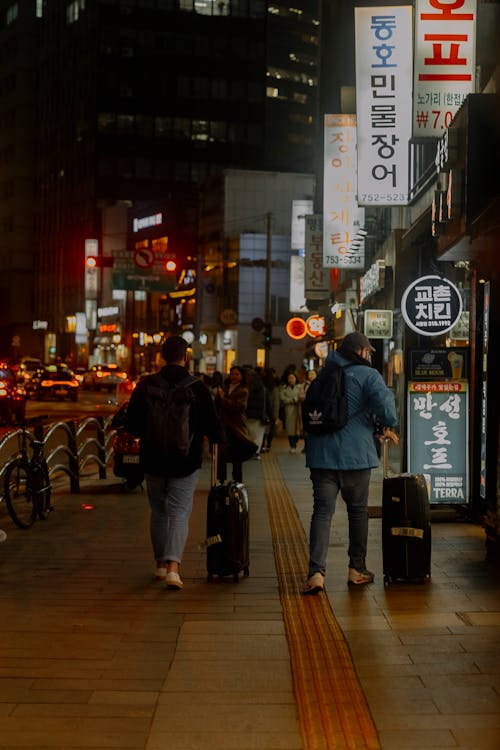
(227, 528)
(406, 527)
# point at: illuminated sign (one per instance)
(147, 221)
(91, 272)
(300, 209)
(383, 103)
(444, 67)
(296, 328)
(342, 218)
(316, 326)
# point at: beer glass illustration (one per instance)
(456, 361)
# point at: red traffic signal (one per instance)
(99, 261)
(170, 265)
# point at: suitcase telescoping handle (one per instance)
(215, 457)
(385, 457)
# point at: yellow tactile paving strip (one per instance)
(332, 707)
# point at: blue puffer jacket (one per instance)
(353, 447)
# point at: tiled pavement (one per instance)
(93, 654)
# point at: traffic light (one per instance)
(99, 261)
(170, 265)
(267, 335)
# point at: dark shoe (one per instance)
(314, 585)
(359, 577)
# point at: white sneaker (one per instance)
(293, 450)
(160, 574)
(173, 580)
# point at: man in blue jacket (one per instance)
(342, 461)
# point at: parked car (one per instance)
(27, 366)
(53, 381)
(105, 377)
(12, 396)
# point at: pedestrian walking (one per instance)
(272, 407)
(170, 477)
(342, 461)
(311, 375)
(231, 405)
(256, 411)
(290, 397)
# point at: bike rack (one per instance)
(70, 446)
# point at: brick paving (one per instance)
(94, 654)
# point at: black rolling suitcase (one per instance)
(227, 528)
(406, 527)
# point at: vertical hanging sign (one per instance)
(343, 247)
(383, 103)
(445, 59)
(316, 278)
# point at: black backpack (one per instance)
(168, 415)
(324, 408)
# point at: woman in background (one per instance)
(231, 405)
(290, 397)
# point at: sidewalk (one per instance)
(94, 654)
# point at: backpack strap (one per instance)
(160, 382)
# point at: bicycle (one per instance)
(27, 487)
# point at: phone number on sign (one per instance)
(343, 261)
(387, 198)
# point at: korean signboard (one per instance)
(437, 438)
(297, 299)
(316, 278)
(437, 364)
(444, 68)
(342, 217)
(431, 305)
(378, 324)
(383, 103)
(300, 209)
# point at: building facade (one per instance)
(135, 101)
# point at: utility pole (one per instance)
(267, 315)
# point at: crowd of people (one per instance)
(253, 403)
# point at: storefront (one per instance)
(468, 233)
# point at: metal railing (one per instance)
(70, 446)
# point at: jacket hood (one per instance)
(337, 359)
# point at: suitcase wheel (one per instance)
(246, 572)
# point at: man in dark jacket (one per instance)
(342, 461)
(171, 481)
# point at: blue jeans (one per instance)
(171, 501)
(353, 486)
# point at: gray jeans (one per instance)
(353, 486)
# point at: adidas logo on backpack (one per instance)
(325, 408)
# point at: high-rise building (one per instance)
(136, 102)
